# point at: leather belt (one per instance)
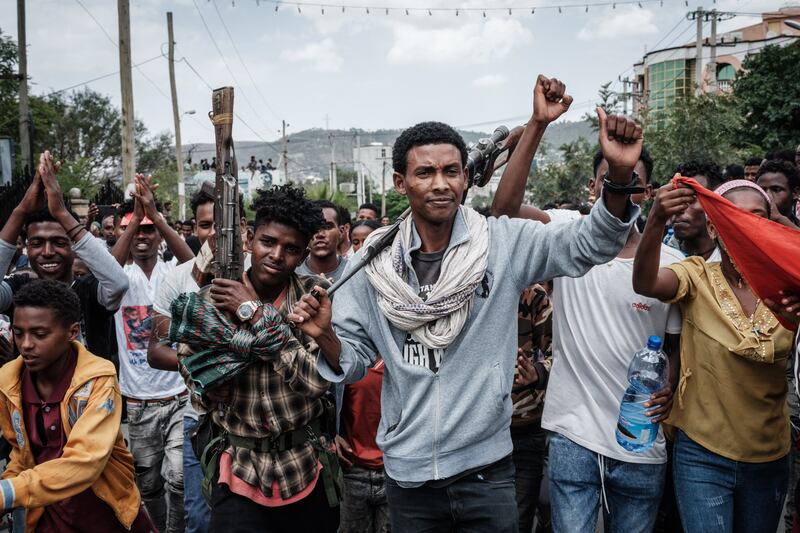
(158, 400)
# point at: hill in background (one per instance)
(310, 150)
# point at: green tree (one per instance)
(767, 92)
(609, 100)
(322, 191)
(396, 203)
(697, 127)
(564, 179)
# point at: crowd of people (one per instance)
(141, 394)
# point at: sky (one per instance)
(352, 69)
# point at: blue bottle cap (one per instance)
(654, 342)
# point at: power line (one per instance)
(136, 66)
(185, 60)
(247, 70)
(386, 10)
(222, 56)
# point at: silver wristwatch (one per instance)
(247, 310)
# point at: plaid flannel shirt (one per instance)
(535, 333)
(270, 398)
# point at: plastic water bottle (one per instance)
(668, 237)
(648, 373)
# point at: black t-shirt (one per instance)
(97, 322)
(428, 266)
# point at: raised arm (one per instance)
(649, 279)
(144, 195)
(549, 103)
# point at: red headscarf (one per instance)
(767, 254)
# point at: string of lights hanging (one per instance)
(280, 5)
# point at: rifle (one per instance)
(228, 255)
(482, 161)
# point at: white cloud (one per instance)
(321, 56)
(474, 42)
(620, 23)
(490, 80)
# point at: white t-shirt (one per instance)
(599, 322)
(559, 216)
(133, 323)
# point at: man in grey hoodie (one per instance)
(446, 329)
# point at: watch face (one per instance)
(245, 311)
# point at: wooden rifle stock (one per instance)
(228, 260)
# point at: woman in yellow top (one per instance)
(730, 460)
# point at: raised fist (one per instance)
(621, 142)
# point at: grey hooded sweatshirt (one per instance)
(435, 425)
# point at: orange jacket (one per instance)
(94, 456)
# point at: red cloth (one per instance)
(361, 414)
(767, 254)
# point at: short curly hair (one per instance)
(709, 169)
(780, 166)
(43, 215)
(422, 134)
(53, 295)
(288, 205)
(199, 198)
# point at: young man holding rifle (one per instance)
(436, 304)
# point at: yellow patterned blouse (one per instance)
(731, 396)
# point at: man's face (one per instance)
(107, 230)
(79, 268)
(596, 184)
(434, 182)
(41, 337)
(325, 242)
(145, 242)
(692, 222)
(277, 250)
(205, 221)
(777, 187)
(366, 214)
(750, 172)
(186, 230)
(50, 251)
(359, 236)
(385, 221)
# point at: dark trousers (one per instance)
(231, 513)
(530, 452)
(482, 501)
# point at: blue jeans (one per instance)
(196, 511)
(156, 438)
(483, 501)
(721, 495)
(578, 478)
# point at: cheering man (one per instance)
(437, 304)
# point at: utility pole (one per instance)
(126, 85)
(698, 62)
(176, 118)
(626, 82)
(359, 173)
(285, 154)
(26, 151)
(383, 189)
(712, 65)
